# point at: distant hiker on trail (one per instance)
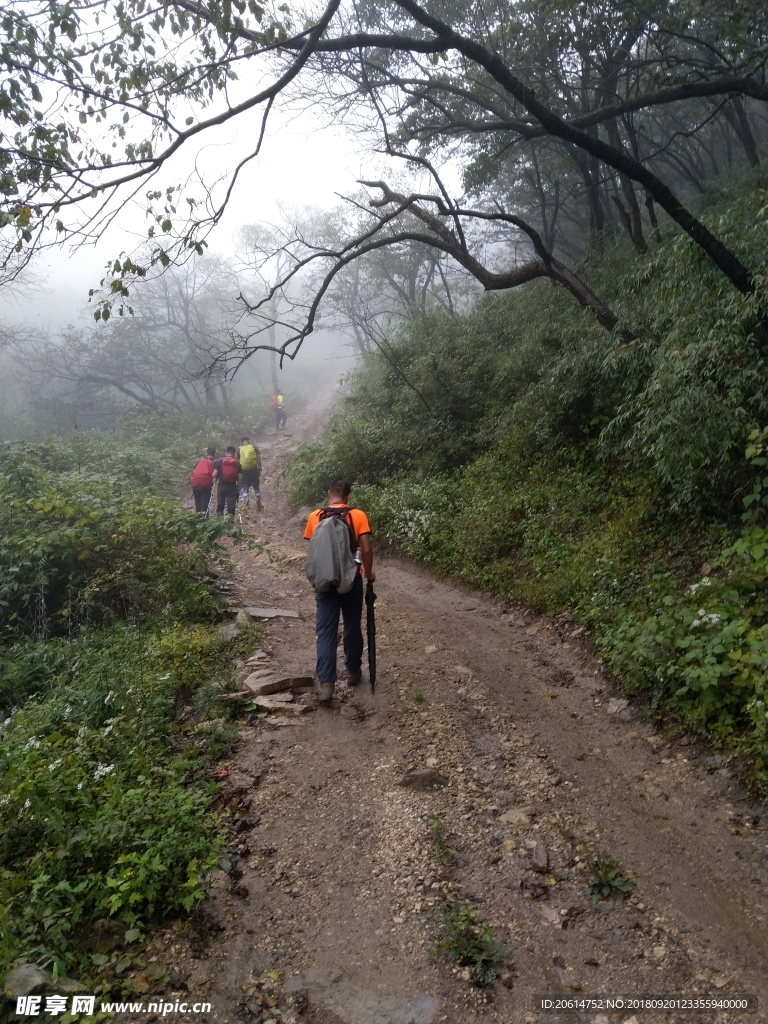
(202, 480)
(339, 552)
(280, 414)
(249, 458)
(228, 472)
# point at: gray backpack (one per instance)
(331, 558)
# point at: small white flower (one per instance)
(54, 765)
(102, 770)
(79, 785)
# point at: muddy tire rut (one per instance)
(329, 918)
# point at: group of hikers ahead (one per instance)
(234, 474)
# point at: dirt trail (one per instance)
(341, 870)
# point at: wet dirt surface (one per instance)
(327, 915)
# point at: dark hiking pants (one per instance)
(202, 496)
(250, 480)
(226, 494)
(329, 605)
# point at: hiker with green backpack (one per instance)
(250, 461)
(340, 552)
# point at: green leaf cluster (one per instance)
(608, 878)
(464, 937)
(98, 816)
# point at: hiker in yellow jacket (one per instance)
(249, 457)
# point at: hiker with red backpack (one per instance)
(228, 473)
(202, 480)
(340, 553)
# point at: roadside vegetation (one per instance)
(525, 450)
(108, 654)
(469, 941)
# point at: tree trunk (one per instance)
(736, 115)
(273, 354)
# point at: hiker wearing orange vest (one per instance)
(346, 597)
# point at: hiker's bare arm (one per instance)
(366, 550)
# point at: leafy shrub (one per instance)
(102, 810)
(608, 878)
(469, 941)
(85, 545)
(706, 646)
(98, 817)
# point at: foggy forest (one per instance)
(501, 270)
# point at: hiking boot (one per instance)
(354, 678)
(259, 507)
(323, 693)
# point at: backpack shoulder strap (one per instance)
(341, 513)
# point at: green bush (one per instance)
(107, 659)
(464, 937)
(98, 815)
(86, 545)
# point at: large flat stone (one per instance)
(259, 685)
(24, 979)
(274, 703)
(271, 613)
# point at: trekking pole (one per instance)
(210, 500)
